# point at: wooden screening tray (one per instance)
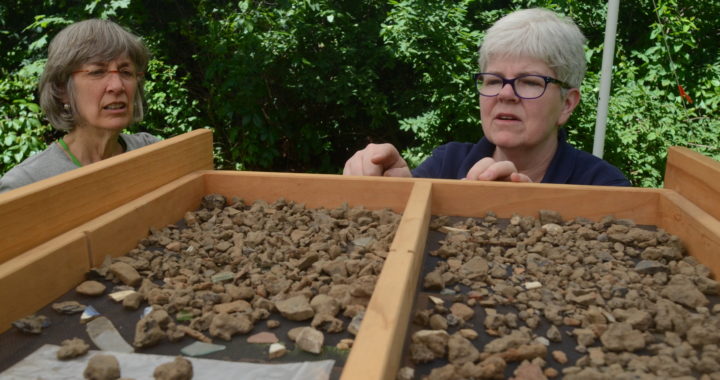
(55, 230)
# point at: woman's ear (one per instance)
(570, 101)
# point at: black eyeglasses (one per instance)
(525, 86)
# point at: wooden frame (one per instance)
(378, 345)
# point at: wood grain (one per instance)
(35, 278)
(695, 177)
(36, 213)
(378, 347)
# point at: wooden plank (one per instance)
(378, 346)
(315, 190)
(472, 199)
(699, 231)
(34, 214)
(695, 177)
(35, 278)
(120, 230)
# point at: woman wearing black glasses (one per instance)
(532, 64)
(92, 87)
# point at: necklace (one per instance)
(74, 159)
(63, 145)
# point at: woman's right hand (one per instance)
(377, 160)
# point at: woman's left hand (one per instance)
(488, 169)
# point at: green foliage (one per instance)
(299, 85)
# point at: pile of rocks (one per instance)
(227, 267)
(625, 300)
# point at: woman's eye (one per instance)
(98, 73)
(531, 82)
(127, 73)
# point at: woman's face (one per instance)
(105, 93)
(513, 123)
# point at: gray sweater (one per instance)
(53, 161)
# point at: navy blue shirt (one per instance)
(569, 165)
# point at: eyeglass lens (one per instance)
(525, 86)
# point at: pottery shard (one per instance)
(72, 348)
(126, 273)
(102, 367)
(178, 369)
(310, 340)
(462, 311)
(461, 350)
(622, 337)
(90, 288)
(295, 308)
(239, 306)
(525, 352)
(224, 326)
(474, 268)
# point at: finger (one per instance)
(398, 172)
(479, 167)
(499, 171)
(519, 177)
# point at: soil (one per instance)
(540, 297)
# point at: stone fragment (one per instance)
(102, 367)
(90, 288)
(276, 350)
(427, 345)
(622, 337)
(178, 369)
(224, 326)
(68, 307)
(685, 293)
(310, 340)
(528, 371)
(126, 273)
(559, 356)
(72, 348)
(295, 308)
(133, 300)
(32, 324)
(461, 350)
(462, 311)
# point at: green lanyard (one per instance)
(74, 159)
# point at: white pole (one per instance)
(606, 77)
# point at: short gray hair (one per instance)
(542, 34)
(78, 44)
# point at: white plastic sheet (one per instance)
(43, 364)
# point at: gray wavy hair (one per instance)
(538, 33)
(78, 44)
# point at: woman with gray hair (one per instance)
(92, 87)
(532, 64)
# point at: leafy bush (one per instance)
(299, 85)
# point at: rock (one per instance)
(102, 367)
(126, 273)
(685, 293)
(90, 288)
(462, 311)
(461, 350)
(72, 348)
(310, 340)
(68, 307)
(276, 350)
(515, 339)
(427, 345)
(178, 369)
(528, 371)
(32, 324)
(224, 326)
(559, 357)
(295, 308)
(622, 337)
(133, 301)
